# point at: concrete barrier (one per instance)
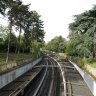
(89, 81)
(12, 75)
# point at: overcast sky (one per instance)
(57, 14)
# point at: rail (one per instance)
(63, 75)
(76, 85)
(41, 81)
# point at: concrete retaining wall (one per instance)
(89, 81)
(12, 75)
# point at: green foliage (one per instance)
(81, 61)
(35, 48)
(71, 49)
(58, 44)
(26, 22)
(13, 42)
(3, 32)
(3, 35)
(94, 64)
(83, 34)
(34, 30)
(14, 60)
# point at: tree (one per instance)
(3, 34)
(8, 4)
(22, 19)
(82, 33)
(34, 29)
(17, 14)
(13, 41)
(57, 44)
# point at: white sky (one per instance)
(57, 14)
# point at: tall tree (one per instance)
(57, 44)
(34, 29)
(10, 14)
(83, 28)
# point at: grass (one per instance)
(84, 61)
(14, 60)
(94, 64)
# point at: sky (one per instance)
(57, 14)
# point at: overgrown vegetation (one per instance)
(14, 60)
(81, 46)
(82, 43)
(57, 44)
(94, 64)
(27, 24)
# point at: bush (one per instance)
(81, 61)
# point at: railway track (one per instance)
(48, 78)
(39, 81)
(18, 86)
(34, 90)
(75, 85)
(46, 86)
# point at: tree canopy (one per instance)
(83, 34)
(57, 44)
(25, 22)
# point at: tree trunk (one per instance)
(19, 39)
(8, 48)
(16, 49)
(23, 50)
(93, 51)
